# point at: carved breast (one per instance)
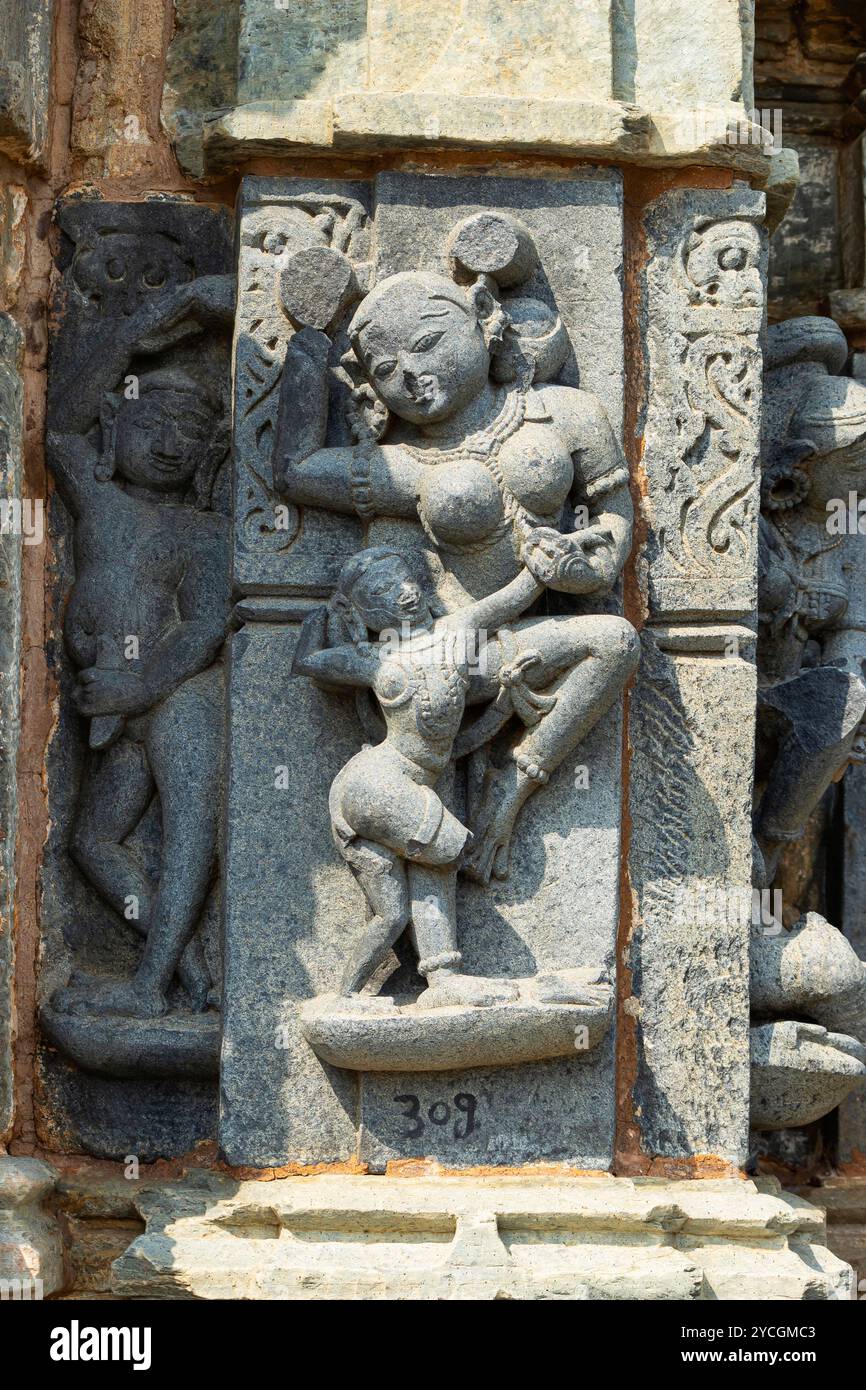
(537, 467)
(459, 502)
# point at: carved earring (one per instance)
(785, 484)
(492, 318)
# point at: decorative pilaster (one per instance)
(692, 706)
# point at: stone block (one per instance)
(31, 1256)
(595, 79)
(703, 293)
(690, 866)
(292, 902)
(24, 77)
(141, 328)
(485, 1238)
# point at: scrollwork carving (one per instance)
(703, 410)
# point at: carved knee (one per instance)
(616, 643)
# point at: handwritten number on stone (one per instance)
(468, 1104)
(439, 1113)
(414, 1105)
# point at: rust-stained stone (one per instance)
(11, 426)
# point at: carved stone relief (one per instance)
(705, 282)
(416, 393)
(812, 701)
(691, 768)
(138, 444)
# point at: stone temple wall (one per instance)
(432, 641)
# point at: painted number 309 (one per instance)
(439, 1113)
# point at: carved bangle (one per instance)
(359, 483)
(608, 482)
(440, 962)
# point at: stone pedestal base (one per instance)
(356, 1237)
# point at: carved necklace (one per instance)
(436, 707)
(484, 446)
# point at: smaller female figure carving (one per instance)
(389, 821)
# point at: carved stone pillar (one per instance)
(390, 697)
(692, 707)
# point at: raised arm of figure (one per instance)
(353, 665)
(164, 320)
(72, 461)
(367, 479)
(504, 606)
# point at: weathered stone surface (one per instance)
(690, 866)
(279, 1102)
(780, 190)
(685, 55)
(595, 78)
(852, 1115)
(482, 1238)
(31, 1258)
(811, 651)
(24, 77)
(11, 540)
(848, 308)
(138, 438)
(843, 1200)
(484, 48)
(13, 242)
(703, 298)
(522, 1030)
(810, 970)
(806, 250)
(691, 771)
(300, 51)
(801, 1072)
(200, 73)
(557, 50)
(115, 121)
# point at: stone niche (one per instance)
(293, 905)
(111, 1083)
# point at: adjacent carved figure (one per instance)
(135, 465)
(812, 701)
(501, 486)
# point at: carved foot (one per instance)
(446, 990)
(504, 793)
(580, 986)
(115, 997)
